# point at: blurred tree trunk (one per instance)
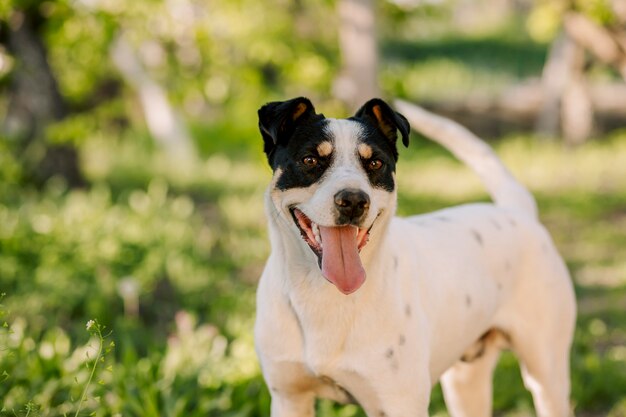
(567, 99)
(164, 124)
(577, 113)
(609, 46)
(566, 105)
(553, 81)
(35, 102)
(619, 7)
(358, 79)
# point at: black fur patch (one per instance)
(292, 130)
(388, 122)
(304, 141)
(382, 149)
(289, 157)
(279, 119)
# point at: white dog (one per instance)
(360, 306)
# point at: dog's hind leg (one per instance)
(547, 378)
(467, 386)
(542, 334)
(544, 361)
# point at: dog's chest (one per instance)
(339, 337)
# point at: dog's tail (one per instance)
(505, 190)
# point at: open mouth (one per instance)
(337, 249)
(310, 232)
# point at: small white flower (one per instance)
(90, 324)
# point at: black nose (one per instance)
(351, 205)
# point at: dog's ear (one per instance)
(385, 119)
(279, 119)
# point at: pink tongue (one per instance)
(341, 263)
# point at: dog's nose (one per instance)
(351, 204)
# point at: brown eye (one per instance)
(309, 161)
(375, 164)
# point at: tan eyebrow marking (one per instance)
(365, 151)
(324, 148)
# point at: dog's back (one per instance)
(538, 313)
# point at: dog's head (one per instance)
(333, 178)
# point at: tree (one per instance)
(35, 101)
(597, 29)
(358, 79)
(164, 123)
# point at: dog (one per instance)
(357, 305)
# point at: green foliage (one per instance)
(215, 60)
(168, 259)
(167, 255)
(66, 255)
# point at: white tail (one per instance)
(503, 188)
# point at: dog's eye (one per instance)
(375, 164)
(310, 161)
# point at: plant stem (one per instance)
(93, 371)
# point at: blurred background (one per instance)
(132, 174)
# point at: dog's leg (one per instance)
(293, 405)
(292, 389)
(385, 397)
(545, 371)
(467, 386)
(543, 332)
(388, 404)
(279, 346)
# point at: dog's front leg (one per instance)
(279, 344)
(293, 404)
(405, 401)
(292, 388)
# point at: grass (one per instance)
(168, 256)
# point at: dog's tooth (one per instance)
(316, 233)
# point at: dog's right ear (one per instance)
(279, 119)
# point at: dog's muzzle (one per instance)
(337, 247)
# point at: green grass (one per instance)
(167, 257)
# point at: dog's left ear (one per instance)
(279, 119)
(386, 119)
